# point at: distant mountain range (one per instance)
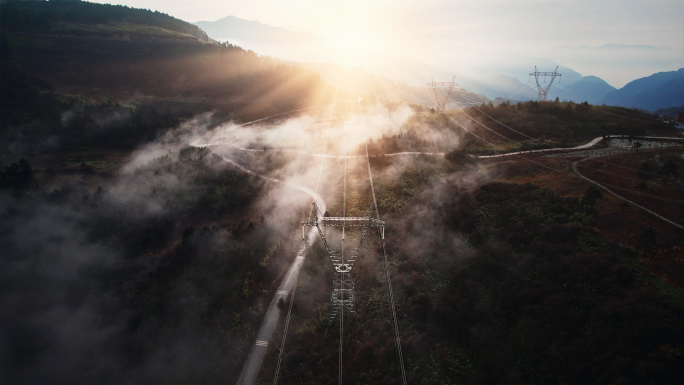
(665, 89)
(250, 33)
(502, 86)
(660, 90)
(591, 89)
(613, 46)
(588, 88)
(670, 111)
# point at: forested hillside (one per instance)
(54, 16)
(76, 73)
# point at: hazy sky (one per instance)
(437, 27)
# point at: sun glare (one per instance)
(357, 47)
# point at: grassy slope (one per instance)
(550, 124)
(203, 288)
(555, 124)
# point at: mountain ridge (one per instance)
(611, 46)
(237, 29)
(660, 90)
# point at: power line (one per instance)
(553, 168)
(574, 166)
(294, 285)
(510, 128)
(282, 113)
(629, 178)
(390, 294)
(287, 324)
(583, 93)
(421, 100)
(521, 85)
(517, 131)
(521, 93)
(344, 216)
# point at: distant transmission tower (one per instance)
(543, 91)
(441, 103)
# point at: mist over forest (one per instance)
(158, 188)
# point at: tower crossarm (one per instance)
(544, 90)
(441, 103)
(442, 84)
(346, 221)
(545, 74)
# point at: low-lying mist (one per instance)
(163, 274)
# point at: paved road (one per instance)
(256, 354)
(582, 147)
(587, 145)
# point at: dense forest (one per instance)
(162, 278)
(63, 90)
(157, 274)
(494, 283)
(34, 118)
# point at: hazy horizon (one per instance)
(442, 34)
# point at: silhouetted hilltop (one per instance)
(253, 32)
(95, 60)
(76, 18)
(106, 51)
(591, 89)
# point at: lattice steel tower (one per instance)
(544, 90)
(343, 285)
(441, 103)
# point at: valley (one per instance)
(176, 208)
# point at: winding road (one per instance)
(256, 354)
(590, 144)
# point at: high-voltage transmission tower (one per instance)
(441, 103)
(343, 285)
(544, 90)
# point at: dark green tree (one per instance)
(647, 239)
(637, 145)
(18, 177)
(645, 172)
(669, 169)
(588, 201)
(624, 206)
